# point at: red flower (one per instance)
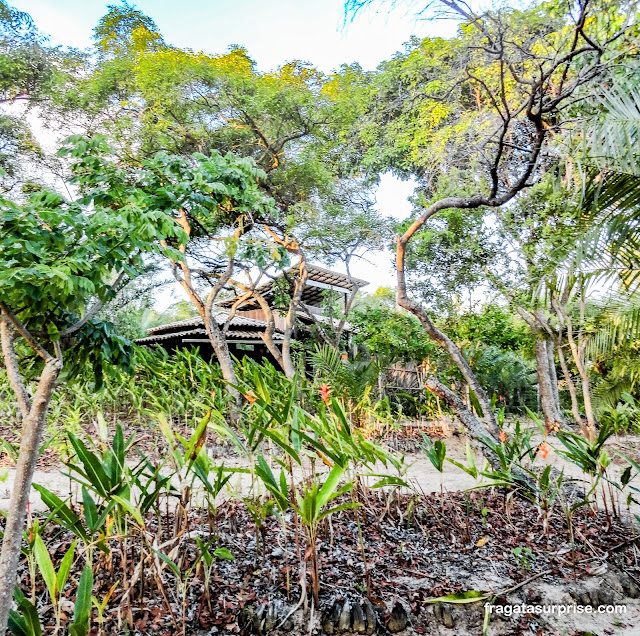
(543, 450)
(503, 437)
(324, 393)
(251, 398)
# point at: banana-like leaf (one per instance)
(45, 565)
(469, 596)
(82, 610)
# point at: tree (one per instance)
(341, 227)
(491, 113)
(147, 96)
(607, 148)
(203, 197)
(392, 336)
(30, 72)
(60, 262)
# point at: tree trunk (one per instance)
(553, 377)
(577, 352)
(221, 348)
(477, 432)
(347, 308)
(205, 310)
(287, 362)
(458, 359)
(7, 335)
(575, 407)
(548, 401)
(267, 336)
(32, 428)
(474, 427)
(219, 342)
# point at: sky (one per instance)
(274, 32)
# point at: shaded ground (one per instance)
(417, 546)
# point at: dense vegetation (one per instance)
(516, 307)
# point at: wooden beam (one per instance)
(338, 288)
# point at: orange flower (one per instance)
(503, 437)
(543, 450)
(251, 398)
(324, 393)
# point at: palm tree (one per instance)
(612, 247)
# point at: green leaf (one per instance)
(28, 622)
(388, 480)
(92, 466)
(223, 553)
(65, 567)
(18, 625)
(204, 551)
(276, 439)
(196, 441)
(174, 568)
(470, 596)
(45, 565)
(129, 507)
(82, 610)
(344, 506)
(63, 513)
(328, 488)
(90, 509)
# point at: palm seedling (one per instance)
(435, 452)
(590, 456)
(311, 505)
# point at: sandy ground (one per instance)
(419, 472)
(423, 477)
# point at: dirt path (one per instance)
(419, 472)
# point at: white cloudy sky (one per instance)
(273, 32)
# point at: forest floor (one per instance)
(440, 539)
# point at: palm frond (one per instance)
(620, 327)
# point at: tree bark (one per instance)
(474, 427)
(32, 428)
(300, 282)
(205, 310)
(553, 376)
(7, 334)
(545, 366)
(458, 359)
(548, 401)
(577, 352)
(345, 315)
(575, 407)
(477, 432)
(267, 335)
(218, 339)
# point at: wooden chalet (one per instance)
(243, 331)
